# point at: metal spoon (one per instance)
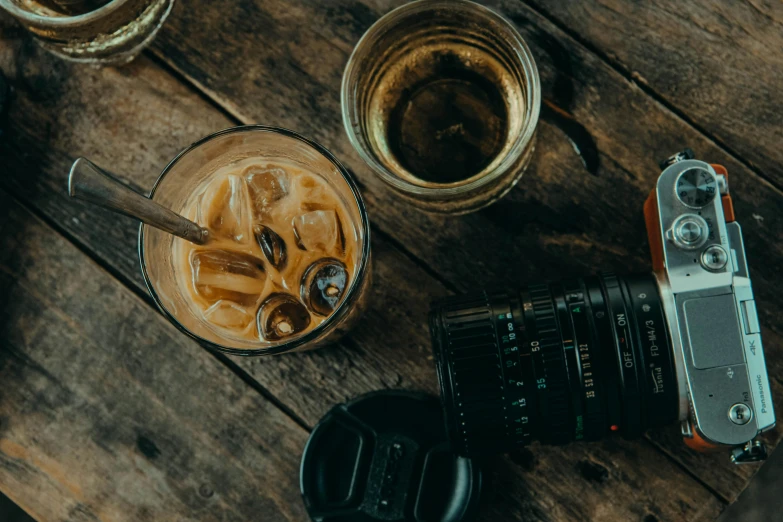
(89, 183)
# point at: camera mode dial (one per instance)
(696, 187)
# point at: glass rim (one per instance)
(355, 287)
(61, 21)
(532, 86)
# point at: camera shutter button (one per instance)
(688, 232)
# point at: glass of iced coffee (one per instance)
(287, 263)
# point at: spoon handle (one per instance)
(89, 183)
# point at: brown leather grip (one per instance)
(728, 205)
(698, 443)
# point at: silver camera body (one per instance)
(702, 274)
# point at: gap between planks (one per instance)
(671, 458)
(652, 93)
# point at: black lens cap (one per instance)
(385, 456)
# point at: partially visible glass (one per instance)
(198, 165)
(441, 99)
(91, 31)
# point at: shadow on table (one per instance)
(762, 501)
(10, 512)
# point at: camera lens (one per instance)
(558, 362)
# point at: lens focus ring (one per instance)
(469, 368)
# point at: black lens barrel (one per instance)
(573, 360)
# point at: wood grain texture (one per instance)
(572, 214)
(390, 349)
(718, 61)
(108, 413)
(727, 479)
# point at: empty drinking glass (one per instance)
(441, 99)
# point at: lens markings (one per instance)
(659, 386)
(593, 423)
(549, 365)
(513, 355)
(573, 371)
(629, 377)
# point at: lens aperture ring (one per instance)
(576, 413)
(546, 348)
(592, 425)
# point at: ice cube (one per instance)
(272, 245)
(266, 185)
(314, 193)
(319, 231)
(224, 274)
(223, 209)
(281, 316)
(323, 285)
(228, 314)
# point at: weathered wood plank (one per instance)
(37, 166)
(108, 413)
(559, 222)
(389, 349)
(719, 62)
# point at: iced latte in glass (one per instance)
(286, 263)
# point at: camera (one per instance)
(582, 359)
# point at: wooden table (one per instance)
(108, 413)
